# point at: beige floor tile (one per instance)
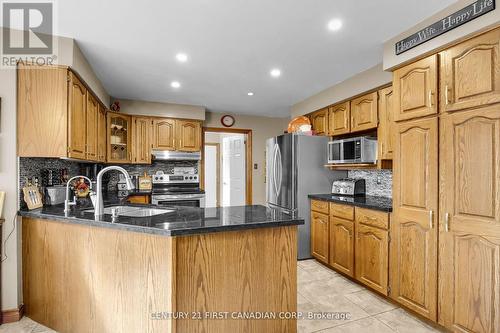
(370, 302)
(25, 325)
(317, 270)
(337, 285)
(403, 322)
(365, 325)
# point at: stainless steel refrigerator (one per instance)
(295, 169)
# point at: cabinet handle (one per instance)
(431, 219)
(447, 222)
(446, 95)
(430, 98)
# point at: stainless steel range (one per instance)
(182, 188)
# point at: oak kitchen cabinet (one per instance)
(339, 119)
(176, 134)
(469, 231)
(141, 139)
(57, 114)
(342, 238)
(164, 134)
(188, 133)
(319, 230)
(470, 73)
(415, 89)
(364, 112)
(319, 121)
(101, 135)
(385, 132)
(413, 229)
(119, 138)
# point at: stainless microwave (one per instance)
(361, 149)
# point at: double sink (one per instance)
(133, 211)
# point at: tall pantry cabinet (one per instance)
(445, 249)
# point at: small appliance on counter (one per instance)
(55, 195)
(349, 186)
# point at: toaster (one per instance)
(349, 186)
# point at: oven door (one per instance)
(186, 200)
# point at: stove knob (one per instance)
(161, 178)
(195, 177)
(156, 178)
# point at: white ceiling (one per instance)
(232, 45)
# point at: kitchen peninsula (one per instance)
(188, 270)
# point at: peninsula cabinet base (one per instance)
(80, 278)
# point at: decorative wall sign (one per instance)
(450, 22)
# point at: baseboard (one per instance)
(10, 316)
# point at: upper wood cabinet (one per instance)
(319, 120)
(141, 140)
(413, 225)
(470, 73)
(319, 236)
(386, 126)
(469, 230)
(342, 245)
(364, 112)
(189, 135)
(415, 88)
(101, 135)
(339, 119)
(92, 127)
(119, 138)
(164, 134)
(77, 118)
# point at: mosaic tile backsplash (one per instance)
(378, 182)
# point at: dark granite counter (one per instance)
(180, 221)
(377, 203)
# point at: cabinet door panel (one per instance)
(319, 236)
(119, 138)
(142, 140)
(415, 88)
(319, 121)
(415, 202)
(77, 119)
(469, 257)
(470, 73)
(101, 134)
(372, 256)
(339, 119)
(189, 135)
(386, 124)
(91, 135)
(364, 112)
(342, 245)
(164, 134)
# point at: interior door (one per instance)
(415, 88)
(211, 177)
(233, 171)
(469, 233)
(77, 118)
(415, 202)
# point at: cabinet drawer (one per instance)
(372, 218)
(342, 211)
(319, 206)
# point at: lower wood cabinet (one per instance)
(372, 257)
(319, 236)
(342, 245)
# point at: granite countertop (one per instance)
(181, 221)
(372, 202)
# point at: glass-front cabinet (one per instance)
(119, 135)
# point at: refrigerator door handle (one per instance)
(275, 154)
(280, 172)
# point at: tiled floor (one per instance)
(321, 290)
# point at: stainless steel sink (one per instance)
(133, 211)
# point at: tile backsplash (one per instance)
(378, 182)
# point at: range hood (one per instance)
(168, 155)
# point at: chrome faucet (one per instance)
(68, 203)
(99, 205)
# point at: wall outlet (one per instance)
(379, 180)
(255, 166)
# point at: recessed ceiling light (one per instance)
(175, 84)
(181, 57)
(334, 24)
(275, 72)
(250, 93)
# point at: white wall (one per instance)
(391, 60)
(355, 85)
(262, 129)
(161, 109)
